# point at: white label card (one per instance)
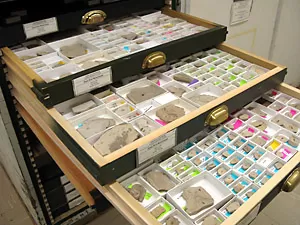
(40, 27)
(157, 146)
(240, 11)
(92, 81)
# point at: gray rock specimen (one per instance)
(257, 155)
(234, 160)
(95, 125)
(144, 126)
(225, 154)
(176, 91)
(159, 181)
(228, 180)
(220, 133)
(26, 57)
(282, 139)
(247, 148)
(197, 199)
(293, 141)
(182, 77)
(158, 211)
(264, 180)
(253, 174)
(192, 153)
(259, 140)
(172, 221)
(122, 110)
(197, 161)
(244, 117)
(278, 165)
(84, 107)
(73, 51)
(247, 134)
(210, 166)
(232, 207)
(276, 107)
(237, 188)
(279, 154)
(211, 220)
(170, 113)
(138, 95)
(249, 194)
(246, 165)
(258, 111)
(231, 137)
(261, 125)
(130, 36)
(238, 143)
(138, 192)
(116, 138)
(202, 99)
(295, 105)
(221, 171)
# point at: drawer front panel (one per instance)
(50, 94)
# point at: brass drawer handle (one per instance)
(292, 181)
(154, 59)
(217, 116)
(93, 17)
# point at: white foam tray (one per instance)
(149, 190)
(65, 108)
(213, 186)
(214, 213)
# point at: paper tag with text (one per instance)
(41, 27)
(157, 146)
(92, 81)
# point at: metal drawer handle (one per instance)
(93, 17)
(154, 59)
(217, 116)
(292, 181)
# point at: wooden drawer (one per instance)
(132, 210)
(253, 205)
(107, 169)
(116, 69)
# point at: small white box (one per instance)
(213, 186)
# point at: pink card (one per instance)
(265, 138)
(237, 124)
(293, 112)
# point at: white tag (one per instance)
(240, 11)
(157, 146)
(92, 81)
(40, 27)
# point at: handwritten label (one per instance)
(41, 27)
(92, 81)
(157, 146)
(240, 11)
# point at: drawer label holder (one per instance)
(157, 146)
(41, 27)
(92, 81)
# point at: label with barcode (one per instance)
(41, 27)
(92, 81)
(157, 146)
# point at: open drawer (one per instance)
(108, 168)
(131, 209)
(172, 201)
(104, 56)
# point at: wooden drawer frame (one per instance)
(120, 198)
(109, 168)
(49, 93)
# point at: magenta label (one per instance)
(293, 112)
(161, 122)
(274, 93)
(158, 83)
(251, 130)
(265, 138)
(237, 124)
(287, 151)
